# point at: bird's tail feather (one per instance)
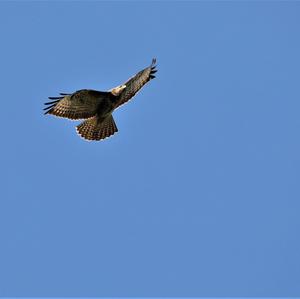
(96, 129)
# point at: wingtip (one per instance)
(52, 102)
(153, 68)
(55, 98)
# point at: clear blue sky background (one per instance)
(197, 195)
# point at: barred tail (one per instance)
(96, 129)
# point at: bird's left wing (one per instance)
(79, 105)
(135, 83)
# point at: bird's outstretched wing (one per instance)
(79, 105)
(135, 83)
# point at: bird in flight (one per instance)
(96, 107)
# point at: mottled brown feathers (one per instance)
(135, 83)
(95, 129)
(97, 106)
(79, 105)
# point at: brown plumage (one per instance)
(97, 106)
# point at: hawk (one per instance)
(96, 107)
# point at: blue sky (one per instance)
(196, 195)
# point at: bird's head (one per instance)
(117, 90)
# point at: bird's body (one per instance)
(96, 107)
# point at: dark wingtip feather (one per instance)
(49, 107)
(64, 94)
(52, 102)
(48, 111)
(55, 98)
(153, 68)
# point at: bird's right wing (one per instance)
(79, 105)
(135, 83)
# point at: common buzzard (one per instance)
(96, 107)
